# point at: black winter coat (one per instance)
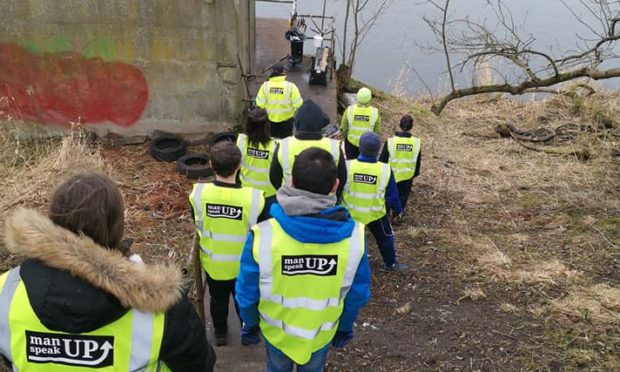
(102, 288)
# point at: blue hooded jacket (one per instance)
(306, 229)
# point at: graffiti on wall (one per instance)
(52, 84)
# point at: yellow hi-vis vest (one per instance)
(364, 193)
(223, 217)
(280, 98)
(302, 287)
(361, 119)
(131, 343)
(255, 163)
(290, 147)
(403, 156)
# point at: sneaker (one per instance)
(221, 339)
(397, 267)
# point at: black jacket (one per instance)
(76, 286)
(309, 120)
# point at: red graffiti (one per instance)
(66, 87)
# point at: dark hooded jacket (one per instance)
(77, 286)
(309, 121)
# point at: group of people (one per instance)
(286, 237)
(281, 229)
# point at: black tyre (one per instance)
(194, 166)
(226, 136)
(168, 148)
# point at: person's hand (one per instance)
(249, 335)
(339, 136)
(397, 219)
(342, 338)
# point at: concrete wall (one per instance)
(126, 66)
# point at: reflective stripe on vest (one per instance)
(300, 306)
(364, 192)
(266, 274)
(11, 280)
(255, 163)
(137, 350)
(359, 127)
(403, 153)
(223, 229)
(290, 147)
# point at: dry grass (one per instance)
(32, 169)
(405, 309)
(509, 308)
(473, 294)
(525, 223)
(157, 213)
(598, 304)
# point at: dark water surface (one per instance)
(399, 39)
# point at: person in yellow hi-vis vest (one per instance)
(403, 152)
(80, 302)
(309, 120)
(281, 99)
(370, 186)
(223, 213)
(257, 153)
(304, 273)
(357, 120)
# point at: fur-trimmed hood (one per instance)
(149, 288)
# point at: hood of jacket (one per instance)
(75, 285)
(329, 225)
(309, 120)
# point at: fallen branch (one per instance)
(525, 85)
(479, 44)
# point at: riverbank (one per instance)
(513, 246)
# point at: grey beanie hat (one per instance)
(370, 144)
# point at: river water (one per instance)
(398, 45)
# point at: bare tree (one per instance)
(361, 16)
(479, 47)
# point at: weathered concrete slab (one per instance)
(234, 357)
(271, 46)
(126, 66)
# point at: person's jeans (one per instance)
(277, 361)
(404, 189)
(351, 151)
(219, 293)
(381, 230)
(282, 130)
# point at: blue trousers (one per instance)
(277, 361)
(381, 230)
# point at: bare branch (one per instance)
(479, 47)
(525, 86)
(445, 44)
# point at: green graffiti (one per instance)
(31, 45)
(57, 44)
(101, 47)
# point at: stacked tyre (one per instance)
(169, 147)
